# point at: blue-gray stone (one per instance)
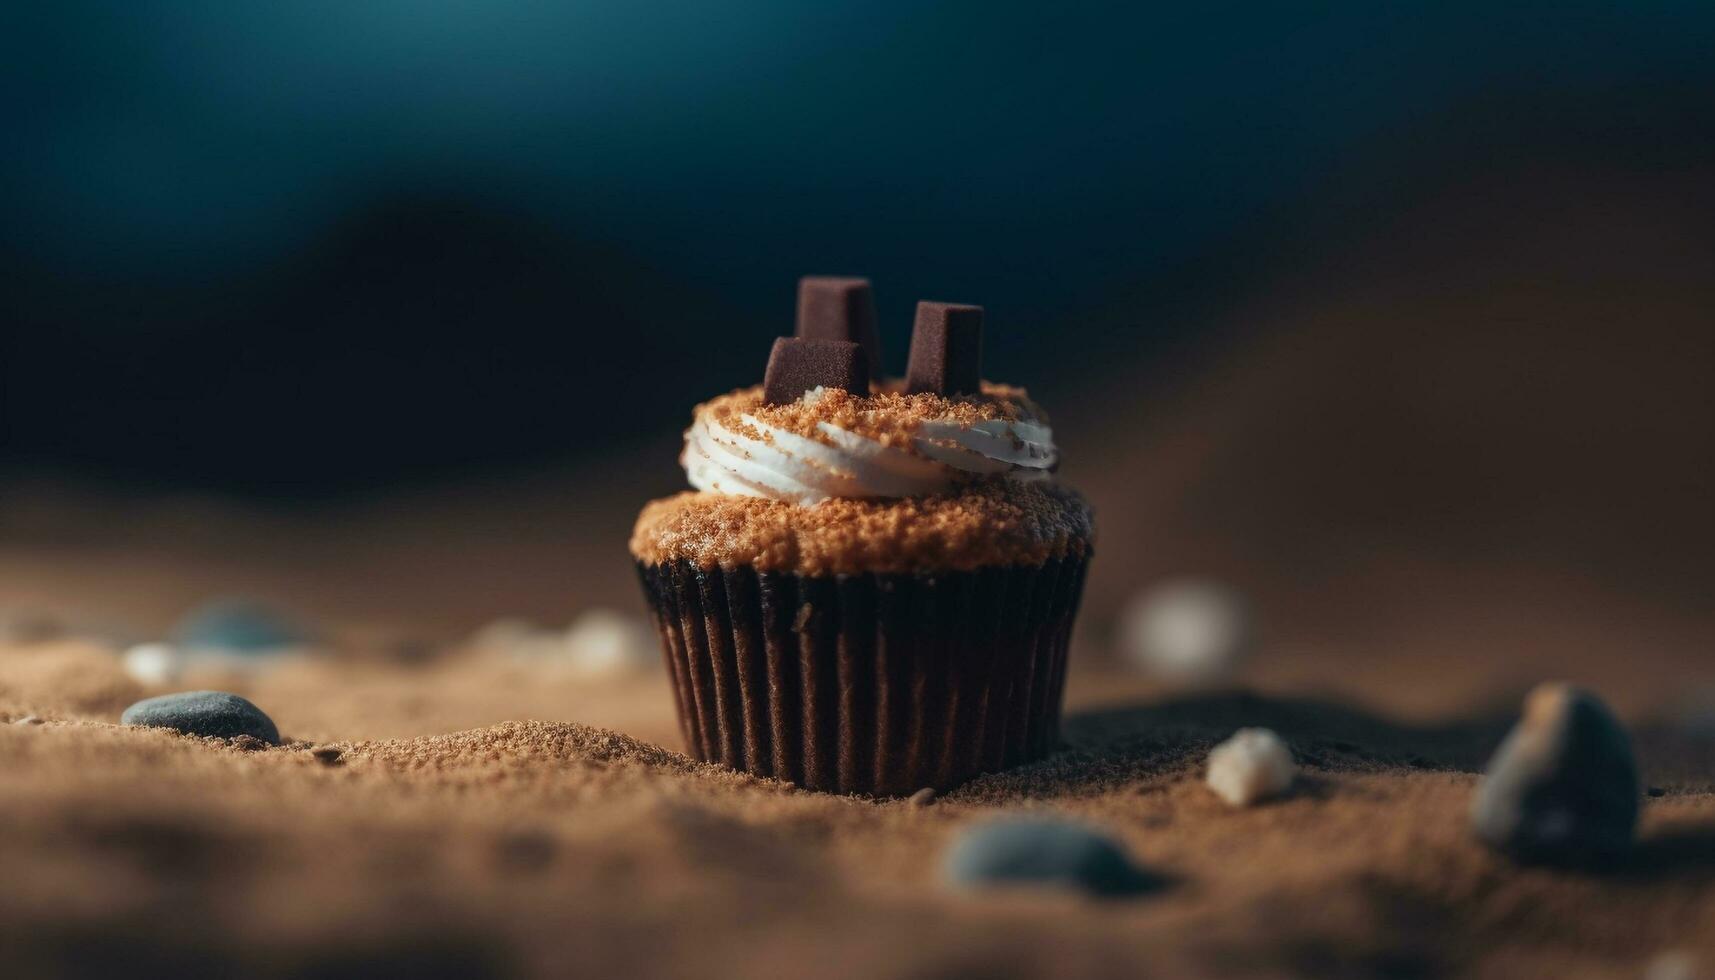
(238, 626)
(1045, 852)
(1563, 787)
(212, 713)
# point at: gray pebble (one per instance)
(1043, 852)
(211, 713)
(1563, 787)
(923, 797)
(239, 626)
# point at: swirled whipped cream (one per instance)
(834, 444)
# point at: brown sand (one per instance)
(555, 848)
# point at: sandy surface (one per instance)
(552, 847)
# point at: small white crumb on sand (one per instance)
(1187, 631)
(1250, 767)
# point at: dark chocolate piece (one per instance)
(839, 308)
(946, 350)
(796, 365)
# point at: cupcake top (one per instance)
(820, 469)
(986, 524)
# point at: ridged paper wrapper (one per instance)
(879, 684)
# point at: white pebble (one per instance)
(606, 641)
(1187, 631)
(1250, 767)
(153, 664)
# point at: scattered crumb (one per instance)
(1252, 766)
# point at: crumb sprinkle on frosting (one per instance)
(886, 415)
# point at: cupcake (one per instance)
(871, 588)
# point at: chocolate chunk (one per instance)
(946, 350)
(796, 365)
(839, 308)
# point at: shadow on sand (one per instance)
(1145, 740)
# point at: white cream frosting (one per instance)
(784, 465)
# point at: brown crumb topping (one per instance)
(996, 522)
(887, 415)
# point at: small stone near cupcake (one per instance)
(213, 714)
(1252, 766)
(1563, 787)
(1045, 853)
(1187, 631)
(923, 797)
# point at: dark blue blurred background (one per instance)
(294, 249)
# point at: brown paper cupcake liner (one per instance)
(876, 684)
